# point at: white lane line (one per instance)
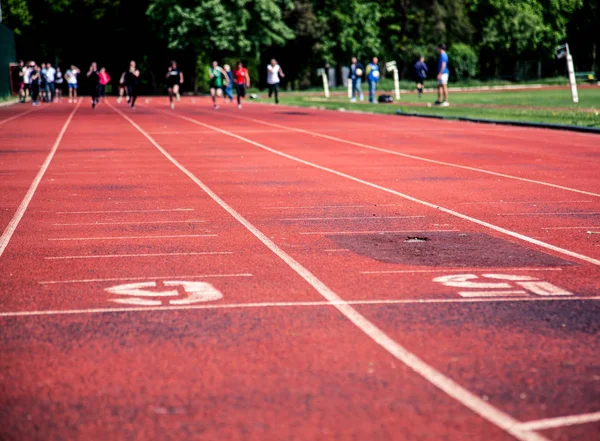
(4, 121)
(191, 221)
(447, 385)
(404, 196)
(526, 202)
(294, 304)
(458, 270)
(109, 256)
(124, 211)
(301, 219)
(118, 279)
(551, 423)
(14, 222)
(418, 158)
(568, 228)
(310, 207)
(133, 237)
(377, 232)
(550, 214)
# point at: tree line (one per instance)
(486, 38)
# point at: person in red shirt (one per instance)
(103, 81)
(242, 81)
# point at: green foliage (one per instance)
(218, 26)
(464, 61)
(16, 15)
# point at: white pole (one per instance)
(349, 88)
(572, 80)
(325, 84)
(396, 84)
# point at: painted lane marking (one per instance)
(445, 384)
(108, 256)
(526, 202)
(404, 196)
(418, 158)
(373, 232)
(14, 222)
(310, 207)
(552, 214)
(529, 283)
(300, 219)
(458, 270)
(119, 279)
(196, 292)
(4, 121)
(134, 237)
(567, 228)
(296, 304)
(123, 211)
(551, 423)
(192, 221)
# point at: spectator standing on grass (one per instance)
(442, 77)
(50, 82)
(355, 76)
(71, 77)
(22, 69)
(59, 81)
(373, 78)
(274, 72)
(420, 72)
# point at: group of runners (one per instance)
(45, 83)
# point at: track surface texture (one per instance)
(273, 273)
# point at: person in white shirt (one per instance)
(50, 78)
(274, 72)
(71, 77)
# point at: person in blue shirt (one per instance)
(420, 72)
(373, 78)
(442, 77)
(355, 75)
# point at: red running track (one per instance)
(279, 273)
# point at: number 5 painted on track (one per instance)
(140, 295)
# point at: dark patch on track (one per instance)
(294, 113)
(12, 152)
(446, 249)
(107, 187)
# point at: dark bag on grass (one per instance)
(385, 99)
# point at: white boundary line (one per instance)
(108, 256)
(290, 304)
(123, 211)
(403, 195)
(14, 222)
(453, 389)
(573, 213)
(122, 279)
(193, 221)
(133, 237)
(568, 228)
(379, 232)
(4, 121)
(458, 270)
(311, 207)
(302, 219)
(551, 423)
(418, 158)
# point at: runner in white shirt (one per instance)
(71, 77)
(274, 71)
(27, 77)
